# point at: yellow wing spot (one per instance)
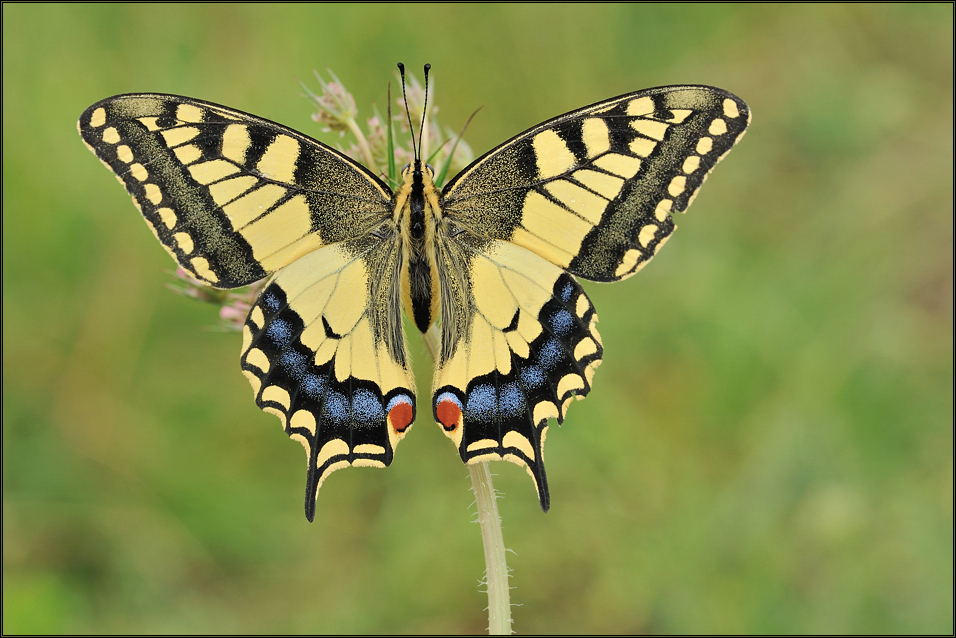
(489, 456)
(235, 143)
(607, 186)
(153, 194)
(663, 209)
(254, 381)
(730, 109)
(139, 172)
(679, 115)
(185, 242)
(528, 327)
(717, 127)
(646, 236)
(584, 348)
(517, 344)
(368, 462)
(188, 154)
(622, 165)
(589, 370)
(302, 419)
(640, 106)
(369, 448)
(188, 113)
(676, 187)
(167, 216)
(691, 164)
(257, 317)
(275, 394)
(544, 410)
(518, 441)
(481, 354)
(98, 118)
(642, 146)
(483, 444)
(304, 441)
(201, 267)
(212, 171)
(124, 153)
(229, 189)
(650, 128)
(704, 145)
(628, 262)
(335, 447)
(179, 135)
(149, 123)
(596, 138)
(553, 224)
(581, 201)
(338, 465)
(582, 306)
(283, 226)
(278, 162)
(259, 359)
(495, 302)
(247, 208)
(552, 154)
(111, 135)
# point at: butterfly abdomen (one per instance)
(417, 212)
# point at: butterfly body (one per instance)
(493, 257)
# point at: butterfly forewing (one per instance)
(592, 191)
(231, 196)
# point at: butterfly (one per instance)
(493, 256)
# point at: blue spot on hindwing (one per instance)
(294, 363)
(337, 407)
(313, 386)
(367, 408)
(270, 301)
(511, 400)
(482, 403)
(566, 292)
(279, 332)
(550, 354)
(532, 376)
(562, 322)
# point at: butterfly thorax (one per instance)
(417, 213)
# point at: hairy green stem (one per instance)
(492, 540)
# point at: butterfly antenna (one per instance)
(421, 131)
(408, 114)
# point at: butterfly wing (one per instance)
(324, 351)
(589, 193)
(525, 346)
(593, 190)
(231, 196)
(234, 198)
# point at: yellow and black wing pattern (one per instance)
(235, 198)
(590, 193)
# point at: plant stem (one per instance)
(492, 540)
(496, 566)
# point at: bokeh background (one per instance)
(769, 443)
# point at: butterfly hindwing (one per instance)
(319, 357)
(593, 190)
(232, 197)
(528, 347)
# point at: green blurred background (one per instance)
(768, 447)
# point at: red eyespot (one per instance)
(400, 416)
(448, 414)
